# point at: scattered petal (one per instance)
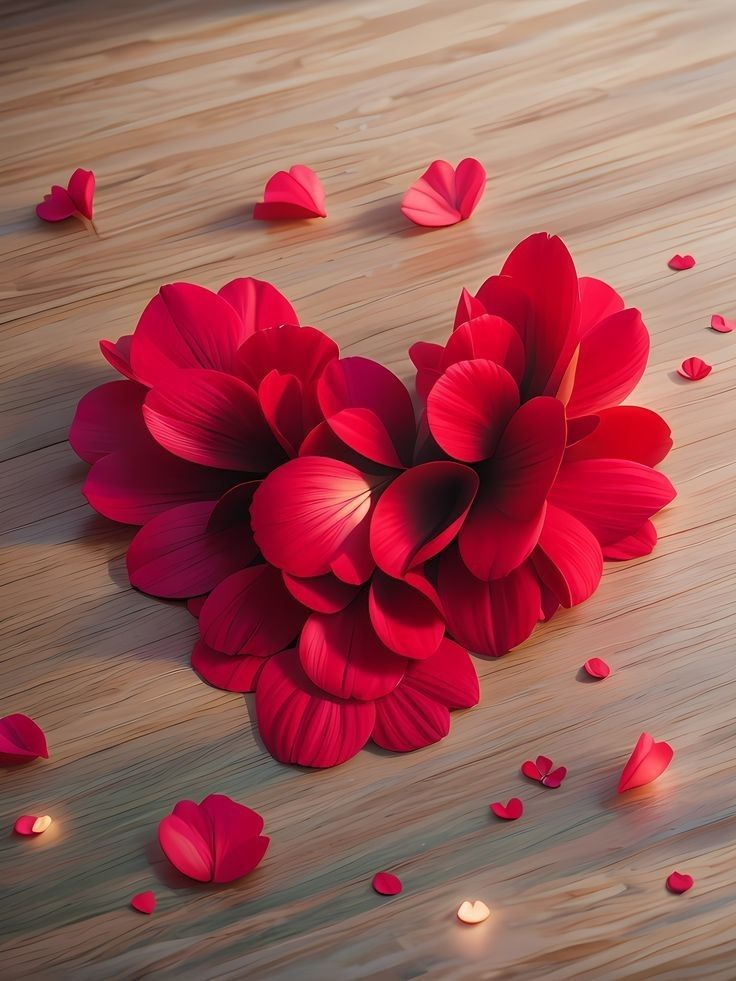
(21, 739)
(597, 668)
(722, 324)
(144, 902)
(511, 811)
(387, 884)
(473, 911)
(679, 262)
(679, 882)
(76, 199)
(29, 824)
(541, 771)
(648, 761)
(694, 369)
(445, 195)
(297, 193)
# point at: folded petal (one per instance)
(647, 762)
(230, 673)
(468, 308)
(470, 183)
(444, 195)
(407, 719)
(405, 619)
(214, 419)
(237, 842)
(297, 193)
(469, 407)
(612, 359)
(627, 432)
(259, 305)
(301, 724)
(598, 300)
(21, 740)
(420, 513)
(505, 298)
(493, 543)
(251, 612)
(176, 331)
(568, 558)
(323, 594)
(117, 353)
(641, 542)
(56, 206)
(291, 350)
(81, 188)
(282, 403)
(175, 556)
(109, 418)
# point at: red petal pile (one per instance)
(76, 199)
(342, 554)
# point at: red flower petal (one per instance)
(444, 195)
(323, 594)
(426, 358)
(214, 419)
(56, 206)
(354, 562)
(195, 604)
(234, 506)
(25, 824)
(555, 778)
(597, 668)
(258, 304)
(117, 353)
(488, 617)
(81, 188)
(305, 510)
(21, 740)
(239, 672)
(281, 401)
(251, 612)
(493, 544)
(176, 331)
(342, 654)
(568, 559)
(387, 884)
(511, 811)
(469, 407)
(648, 761)
(144, 902)
(420, 513)
(300, 724)
(486, 337)
(468, 308)
(407, 719)
(641, 542)
(612, 359)
(447, 677)
(722, 324)
(405, 620)
(679, 882)
(108, 418)
(541, 771)
(296, 194)
(369, 409)
(175, 556)
(694, 369)
(291, 350)
(626, 432)
(679, 262)
(218, 840)
(598, 300)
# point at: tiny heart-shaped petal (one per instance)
(680, 262)
(77, 198)
(445, 195)
(30, 824)
(473, 911)
(387, 884)
(296, 193)
(679, 882)
(595, 667)
(648, 761)
(694, 369)
(144, 902)
(722, 324)
(510, 811)
(541, 771)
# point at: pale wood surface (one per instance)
(613, 124)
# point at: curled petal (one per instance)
(21, 740)
(444, 195)
(282, 403)
(259, 305)
(117, 353)
(233, 508)
(493, 544)
(81, 188)
(426, 358)
(291, 350)
(694, 369)
(648, 761)
(404, 618)
(237, 672)
(626, 432)
(568, 558)
(296, 193)
(108, 418)
(598, 301)
(490, 338)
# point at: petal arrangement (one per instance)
(343, 552)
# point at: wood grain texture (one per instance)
(611, 124)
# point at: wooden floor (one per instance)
(612, 124)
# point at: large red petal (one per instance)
(301, 724)
(568, 558)
(291, 350)
(185, 326)
(21, 740)
(627, 432)
(469, 407)
(342, 654)
(420, 513)
(598, 300)
(258, 304)
(251, 612)
(468, 308)
(493, 543)
(109, 418)
(612, 359)
(229, 672)
(214, 419)
(405, 619)
(237, 843)
(490, 338)
(448, 677)
(175, 556)
(407, 719)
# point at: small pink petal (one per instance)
(679, 882)
(722, 324)
(694, 369)
(510, 811)
(597, 668)
(387, 884)
(144, 902)
(648, 761)
(679, 262)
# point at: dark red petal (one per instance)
(679, 262)
(144, 902)
(387, 884)
(291, 350)
(258, 304)
(117, 353)
(109, 418)
(56, 206)
(323, 594)
(237, 843)
(648, 761)
(568, 558)
(641, 542)
(694, 369)
(404, 618)
(300, 724)
(626, 432)
(510, 811)
(597, 668)
(176, 331)
(239, 672)
(175, 556)
(447, 677)
(342, 655)
(282, 401)
(81, 188)
(493, 544)
(598, 300)
(195, 604)
(426, 358)
(469, 407)
(233, 507)
(420, 513)
(251, 612)
(297, 193)
(21, 740)
(407, 720)
(490, 338)
(679, 882)
(212, 419)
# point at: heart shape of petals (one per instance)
(445, 195)
(296, 193)
(648, 761)
(21, 740)
(217, 840)
(387, 884)
(694, 369)
(77, 198)
(144, 902)
(510, 811)
(542, 770)
(679, 262)
(473, 911)
(721, 324)
(679, 882)
(596, 667)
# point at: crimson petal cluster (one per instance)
(343, 552)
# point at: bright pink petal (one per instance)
(443, 195)
(596, 667)
(297, 193)
(420, 513)
(239, 672)
(633, 546)
(305, 510)
(679, 882)
(176, 331)
(511, 811)
(568, 558)
(369, 409)
(387, 884)
(626, 432)
(213, 419)
(282, 403)
(694, 369)
(490, 338)
(117, 353)
(598, 300)
(144, 902)
(81, 188)
(291, 350)
(56, 206)
(21, 740)
(175, 556)
(469, 407)
(612, 359)
(679, 262)
(468, 308)
(323, 594)
(109, 418)
(404, 618)
(259, 305)
(648, 761)
(721, 324)
(342, 654)
(301, 724)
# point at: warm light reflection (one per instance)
(41, 824)
(473, 911)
